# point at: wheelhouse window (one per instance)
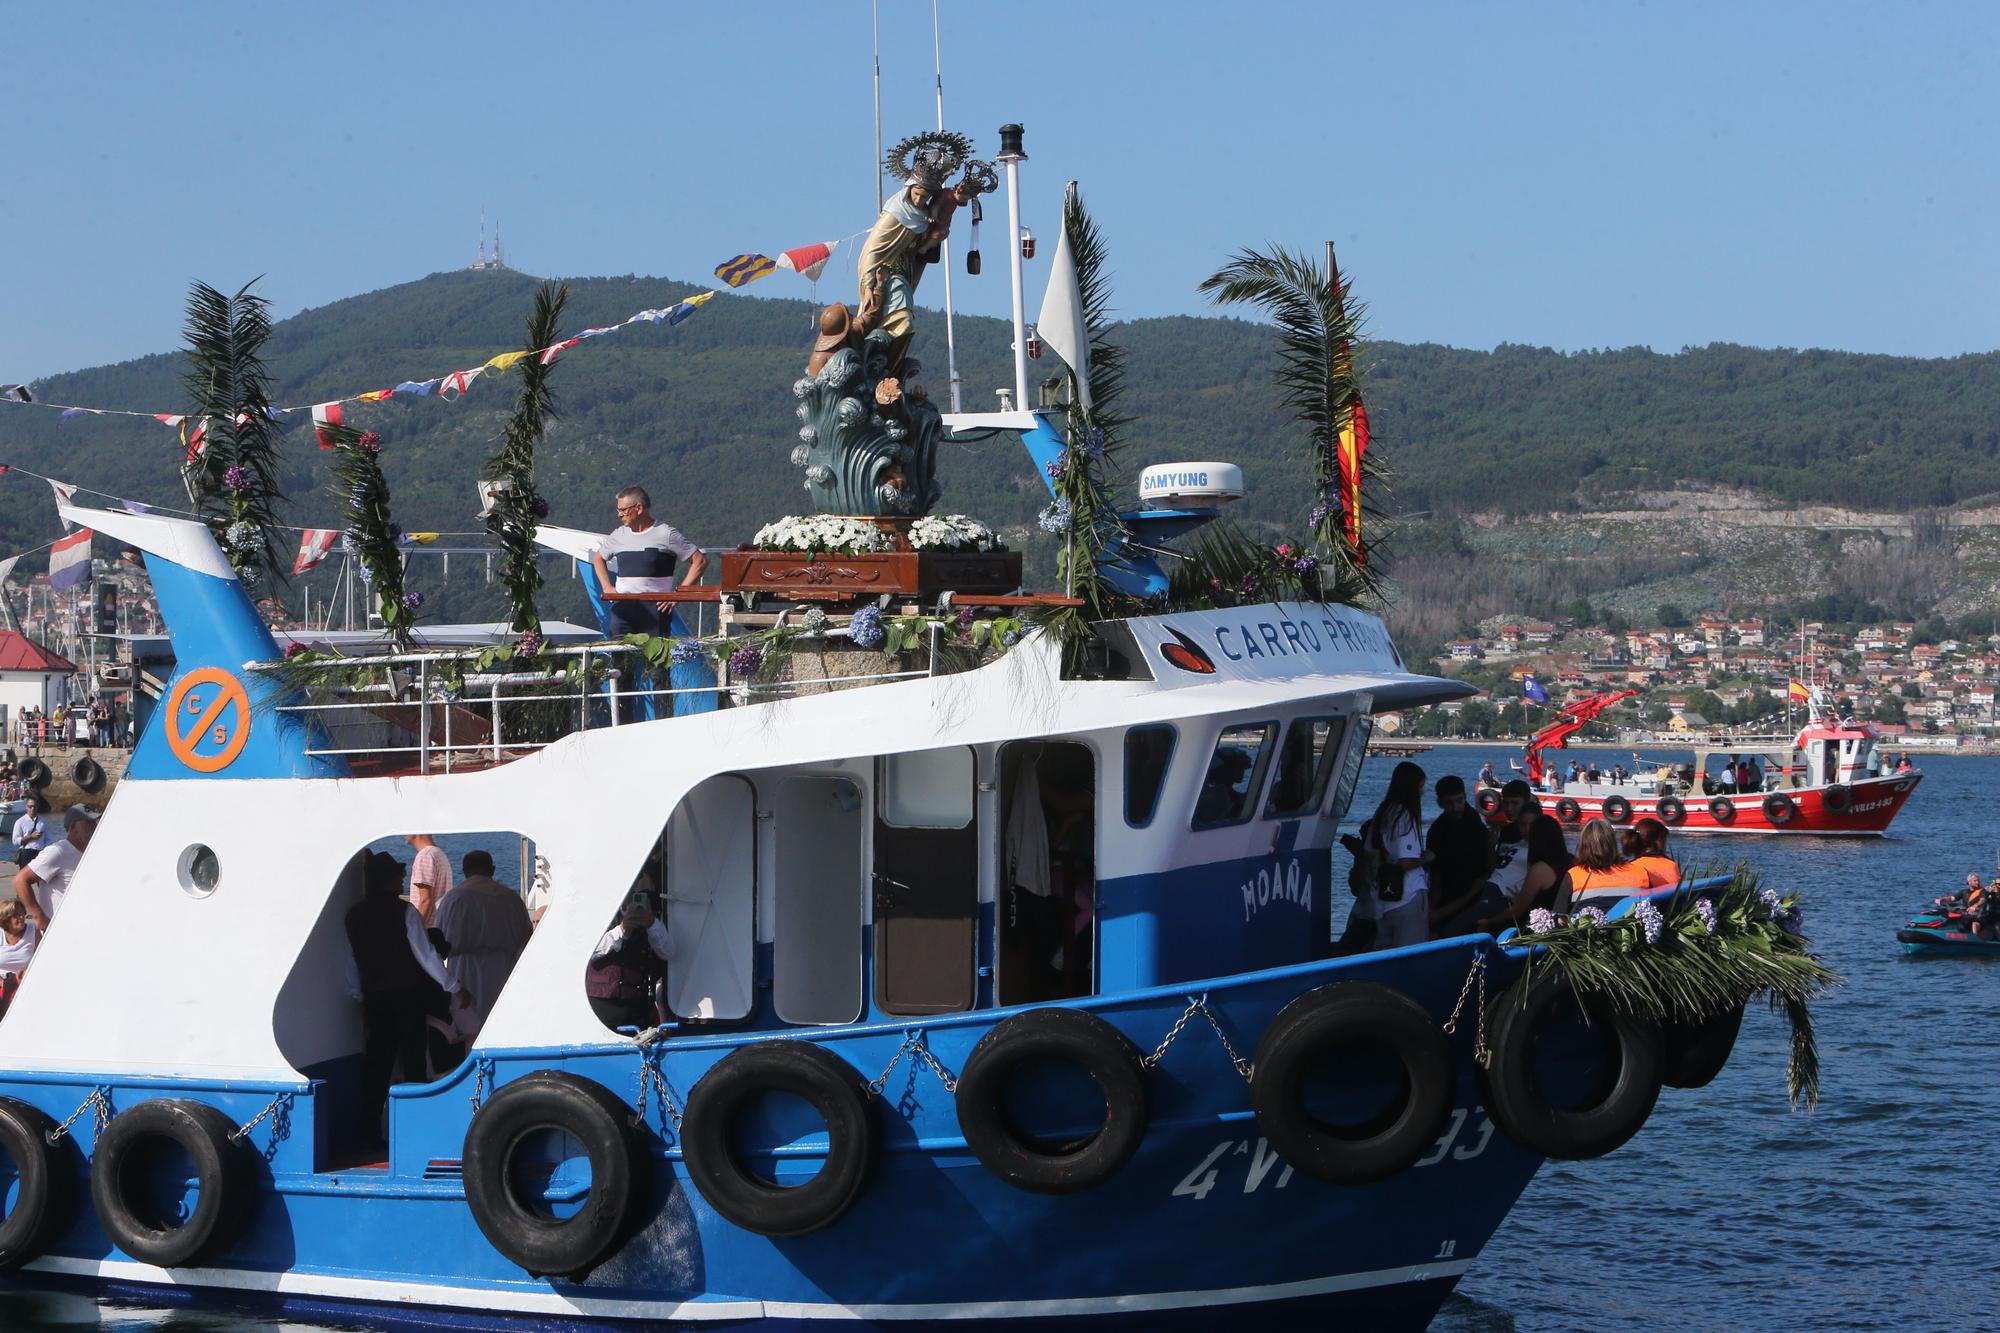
(1305, 762)
(1235, 772)
(1148, 751)
(1350, 766)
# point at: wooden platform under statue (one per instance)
(824, 577)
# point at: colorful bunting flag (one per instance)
(504, 362)
(7, 567)
(808, 261)
(69, 559)
(552, 352)
(314, 546)
(455, 384)
(16, 393)
(376, 396)
(745, 269)
(324, 415)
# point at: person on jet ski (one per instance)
(1958, 900)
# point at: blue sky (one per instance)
(1572, 175)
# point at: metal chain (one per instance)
(100, 1098)
(1481, 1056)
(913, 1041)
(482, 1081)
(278, 1112)
(650, 1077)
(1198, 1004)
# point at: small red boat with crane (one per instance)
(1832, 778)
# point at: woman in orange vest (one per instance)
(1646, 848)
(1601, 877)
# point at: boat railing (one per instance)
(436, 711)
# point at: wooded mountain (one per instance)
(702, 415)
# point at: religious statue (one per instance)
(868, 434)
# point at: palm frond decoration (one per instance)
(1084, 476)
(233, 480)
(1225, 567)
(1701, 953)
(371, 533)
(517, 508)
(1317, 328)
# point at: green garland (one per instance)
(517, 509)
(371, 532)
(1702, 953)
(233, 480)
(1225, 567)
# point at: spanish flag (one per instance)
(1800, 692)
(1353, 447)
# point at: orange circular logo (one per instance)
(199, 715)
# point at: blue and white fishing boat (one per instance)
(890, 1090)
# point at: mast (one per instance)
(875, 9)
(944, 250)
(1011, 157)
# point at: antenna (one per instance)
(875, 7)
(498, 262)
(482, 240)
(944, 250)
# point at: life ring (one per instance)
(1568, 811)
(1670, 810)
(515, 1223)
(34, 772)
(1778, 808)
(1056, 1036)
(119, 1188)
(1488, 800)
(1722, 810)
(88, 775)
(1303, 1037)
(1838, 799)
(1617, 809)
(1696, 1052)
(804, 1070)
(1616, 1107)
(43, 1179)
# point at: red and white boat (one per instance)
(1830, 779)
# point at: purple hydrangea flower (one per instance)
(1649, 921)
(1593, 915)
(866, 628)
(1305, 564)
(1317, 516)
(1541, 921)
(1093, 442)
(236, 477)
(1793, 922)
(745, 660)
(528, 644)
(539, 507)
(963, 620)
(370, 442)
(1769, 897)
(1010, 638)
(1057, 467)
(412, 600)
(685, 651)
(1057, 517)
(293, 649)
(1705, 909)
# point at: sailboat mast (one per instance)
(875, 9)
(944, 250)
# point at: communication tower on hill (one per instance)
(483, 264)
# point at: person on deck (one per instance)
(640, 555)
(1461, 854)
(31, 830)
(1487, 777)
(629, 960)
(394, 972)
(1601, 877)
(18, 938)
(42, 884)
(430, 876)
(1543, 858)
(1401, 902)
(486, 927)
(1645, 847)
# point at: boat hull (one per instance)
(1918, 939)
(1870, 807)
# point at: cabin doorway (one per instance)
(926, 881)
(1048, 871)
(816, 899)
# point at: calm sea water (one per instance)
(1730, 1210)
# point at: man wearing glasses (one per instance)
(640, 555)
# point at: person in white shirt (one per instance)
(18, 938)
(485, 926)
(644, 553)
(43, 883)
(1397, 828)
(31, 830)
(628, 961)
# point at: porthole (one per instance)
(199, 871)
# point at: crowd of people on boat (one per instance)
(1466, 873)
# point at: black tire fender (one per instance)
(1344, 1014)
(1838, 799)
(1487, 801)
(223, 1175)
(1617, 809)
(1511, 1086)
(804, 1069)
(1065, 1036)
(1696, 1052)
(45, 1179)
(1670, 810)
(34, 772)
(601, 1125)
(1568, 811)
(88, 775)
(1779, 808)
(1722, 810)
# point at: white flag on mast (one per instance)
(1061, 322)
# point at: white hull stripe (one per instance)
(525, 1300)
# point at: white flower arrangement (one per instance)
(829, 533)
(952, 532)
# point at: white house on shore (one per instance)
(30, 677)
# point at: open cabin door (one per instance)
(816, 899)
(711, 887)
(926, 881)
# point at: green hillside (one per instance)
(702, 415)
